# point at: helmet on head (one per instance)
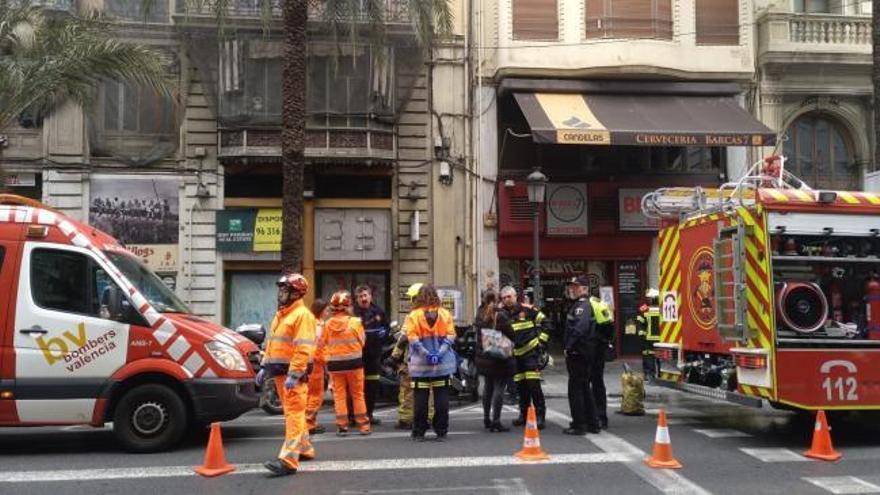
(295, 282)
(413, 290)
(340, 300)
(652, 293)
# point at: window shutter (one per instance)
(535, 20)
(632, 19)
(717, 22)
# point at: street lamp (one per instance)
(536, 184)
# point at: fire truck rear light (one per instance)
(38, 231)
(751, 362)
(665, 354)
(6, 394)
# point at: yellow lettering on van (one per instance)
(55, 348)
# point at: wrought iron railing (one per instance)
(394, 11)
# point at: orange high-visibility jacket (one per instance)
(291, 343)
(425, 339)
(342, 343)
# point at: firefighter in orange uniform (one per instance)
(290, 348)
(316, 377)
(342, 343)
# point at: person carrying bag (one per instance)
(494, 358)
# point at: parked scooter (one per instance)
(256, 333)
(389, 382)
(466, 381)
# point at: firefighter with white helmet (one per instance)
(399, 359)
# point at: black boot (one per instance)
(487, 423)
(520, 420)
(278, 468)
(498, 427)
(542, 414)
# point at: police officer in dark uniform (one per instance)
(376, 328)
(579, 357)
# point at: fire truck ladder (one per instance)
(683, 203)
(730, 283)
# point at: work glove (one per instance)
(433, 359)
(260, 378)
(292, 380)
(391, 363)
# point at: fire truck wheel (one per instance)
(149, 418)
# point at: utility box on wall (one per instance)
(352, 234)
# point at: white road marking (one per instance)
(844, 484)
(513, 486)
(775, 455)
(311, 466)
(352, 435)
(665, 480)
(722, 433)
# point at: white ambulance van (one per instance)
(88, 335)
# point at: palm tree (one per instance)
(48, 59)
(349, 19)
(342, 16)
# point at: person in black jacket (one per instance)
(496, 372)
(376, 328)
(579, 357)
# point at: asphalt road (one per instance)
(724, 449)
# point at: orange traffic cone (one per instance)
(662, 456)
(821, 448)
(531, 450)
(215, 461)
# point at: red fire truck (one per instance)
(769, 291)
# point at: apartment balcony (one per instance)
(193, 12)
(807, 39)
(600, 38)
(341, 144)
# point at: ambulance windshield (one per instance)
(160, 296)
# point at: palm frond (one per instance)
(45, 61)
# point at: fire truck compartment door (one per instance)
(65, 350)
(817, 223)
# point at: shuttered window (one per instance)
(535, 20)
(717, 22)
(629, 19)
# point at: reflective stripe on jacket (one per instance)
(291, 344)
(343, 343)
(425, 339)
(529, 329)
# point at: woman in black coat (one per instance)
(496, 372)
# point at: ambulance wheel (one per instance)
(149, 418)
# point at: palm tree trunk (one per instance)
(293, 132)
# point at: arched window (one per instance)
(819, 152)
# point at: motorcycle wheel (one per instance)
(269, 400)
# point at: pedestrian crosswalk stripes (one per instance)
(722, 433)
(775, 455)
(842, 485)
